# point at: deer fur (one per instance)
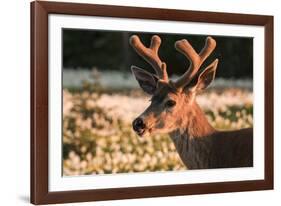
(200, 146)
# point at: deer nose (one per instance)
(138, 124)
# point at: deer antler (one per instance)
(151, 55)
(196, 60)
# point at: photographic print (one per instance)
(146, 102)
(131, 102)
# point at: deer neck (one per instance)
(195, 123)
(193, 140)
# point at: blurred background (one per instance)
(101, 98)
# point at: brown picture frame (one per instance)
(39, 102)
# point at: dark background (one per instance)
(110, 50)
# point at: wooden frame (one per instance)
(39, 102)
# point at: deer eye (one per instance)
(170, 103)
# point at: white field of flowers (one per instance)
(98, 138)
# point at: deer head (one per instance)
(173, 102)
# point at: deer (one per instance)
(173, 109)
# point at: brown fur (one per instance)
(200, 146)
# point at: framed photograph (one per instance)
(133, 102)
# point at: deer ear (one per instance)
(146, 80)
(207, 76)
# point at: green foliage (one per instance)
(109, 50)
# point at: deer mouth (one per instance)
(140, 132)
(144, 132)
